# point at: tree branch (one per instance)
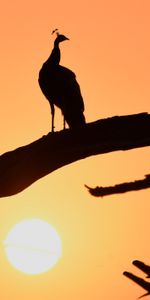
(21, 167)
(120, 188)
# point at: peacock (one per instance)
(60, 87)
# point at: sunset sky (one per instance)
(109, 50)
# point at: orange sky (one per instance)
(109, 50)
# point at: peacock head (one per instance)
(60, 37)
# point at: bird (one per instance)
(60, 87)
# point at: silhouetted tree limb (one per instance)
(140, 281)
(120, 188)
(21, 167)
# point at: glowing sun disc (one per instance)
(33, 246)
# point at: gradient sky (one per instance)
(109, 50)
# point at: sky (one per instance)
(109, 50)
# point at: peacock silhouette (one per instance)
(60, 87)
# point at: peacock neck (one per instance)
(54, 58)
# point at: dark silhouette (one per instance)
(60, 87)
(120, 188)
(21, 167)
(145, 268)
(144, 284)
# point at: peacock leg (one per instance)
(64, 122)
(53, 113)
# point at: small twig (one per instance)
(120, 188)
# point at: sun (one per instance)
(33, 246)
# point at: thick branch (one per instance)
(23, 166)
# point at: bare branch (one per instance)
(21, 167)
(120, 188)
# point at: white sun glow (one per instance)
(33, 246)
